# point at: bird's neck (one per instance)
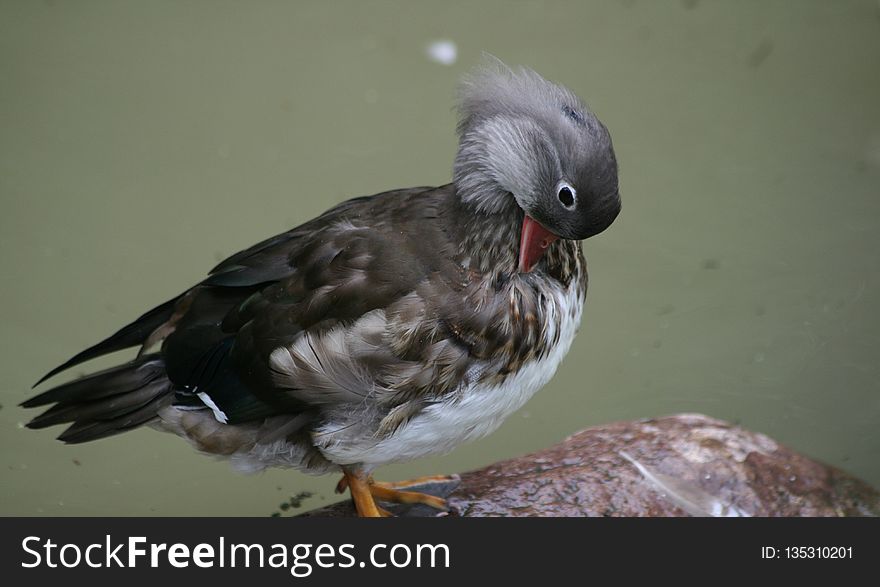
(490, 240)
(491, 237)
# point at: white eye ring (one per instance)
(567, 195)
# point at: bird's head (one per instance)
(525, 138)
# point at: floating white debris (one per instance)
(442, 51)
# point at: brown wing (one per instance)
(216, 336)
(314, 318)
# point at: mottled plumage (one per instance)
(389, 327)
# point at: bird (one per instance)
(391, 327)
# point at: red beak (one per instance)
(533, 241)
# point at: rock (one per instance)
(681, 465)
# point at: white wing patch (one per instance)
(218, 413)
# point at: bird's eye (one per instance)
(566, 195)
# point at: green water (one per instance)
(141, 142)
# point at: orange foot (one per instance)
(365, 491)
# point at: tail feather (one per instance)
(128, 336)
(107, 408)
(114, 381)
(85, 431)
(106, 403)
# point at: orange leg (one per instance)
(360, 493)
(364, 489)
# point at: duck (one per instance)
(389, 328)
